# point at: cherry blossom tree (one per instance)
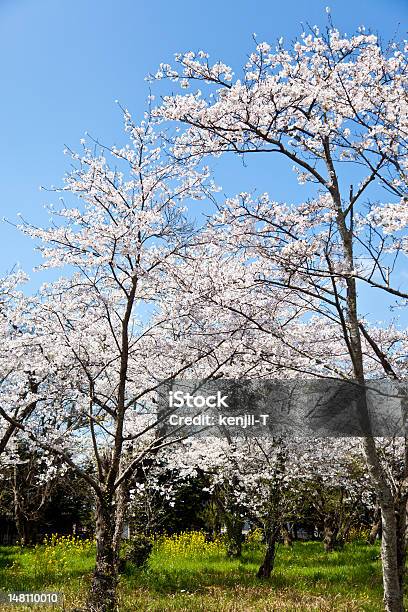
(108, 329)
(335, 107)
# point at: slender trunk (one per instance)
(30, 533)
(287, 537)
(234, 536)
(268, 563)
(273, 525)
(18, 514)
(20, 528)
(122, 497)
(375, 530)
(216, 528)
(102, 596)
(393, 594)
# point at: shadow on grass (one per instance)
(7, 555)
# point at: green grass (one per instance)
(305, 578)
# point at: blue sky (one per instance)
(65, 62)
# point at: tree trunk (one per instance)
(18, 519)
(122, 498)
(216, 528)
(393, 597)
(102, 596)
(234, 536)
(18, 514)
(391, 544)
(24, 527)
(332, 539)
(268, 563)
(401, 544)
(375, 530)
(287, 537)
(329, 539)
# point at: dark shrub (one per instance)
(137, 549)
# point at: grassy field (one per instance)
(187, 575)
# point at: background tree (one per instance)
(19, 382)
(41, 496)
